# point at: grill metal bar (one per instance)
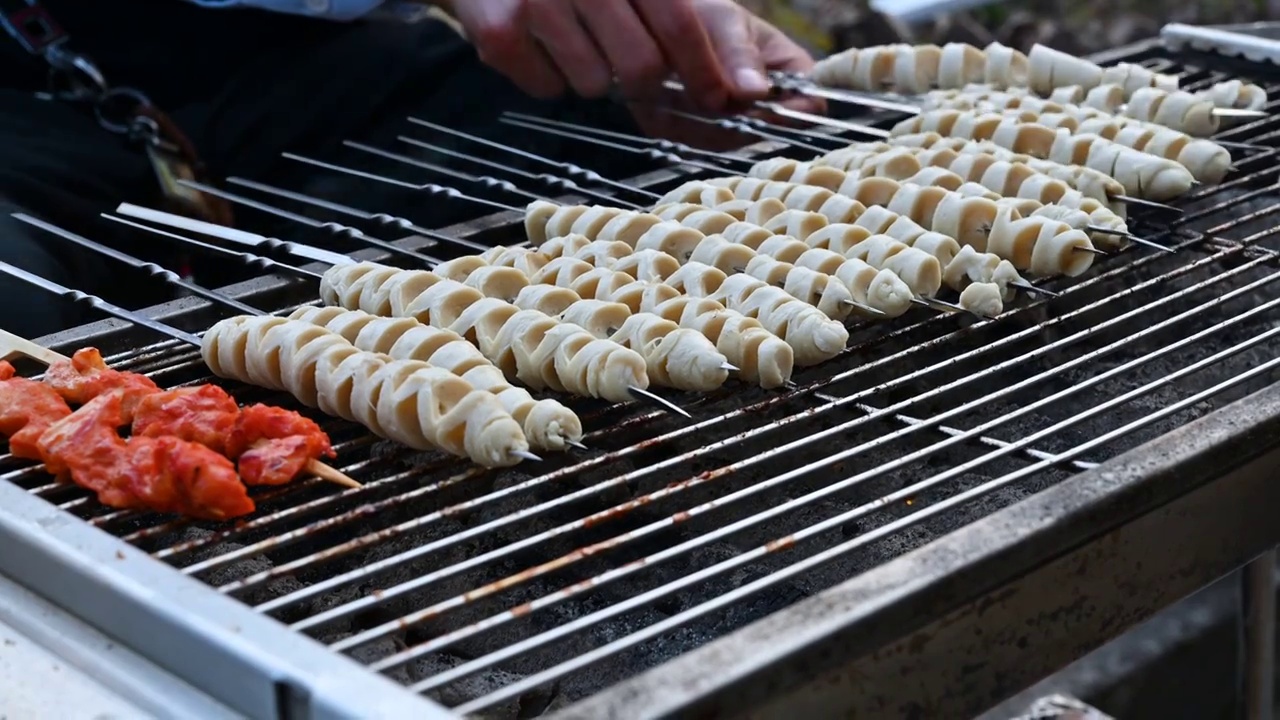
(985, 440)
(686, 458)
(409, 620)
(746, 591)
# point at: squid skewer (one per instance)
(525, 344)
(547, 424)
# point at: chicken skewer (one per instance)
(526, 344)
(84, 377)
(162, 474)
(758, 355)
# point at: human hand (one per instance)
(717, 48)
(747, 48)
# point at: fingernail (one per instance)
(749, 80)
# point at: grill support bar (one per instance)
(1259, 612)
(1008, 613)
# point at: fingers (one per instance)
(497, 29)
(687, 47)
(634, 55)
(555, 24)
(732, 35)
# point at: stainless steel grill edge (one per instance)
(958, 625)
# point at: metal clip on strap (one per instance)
(31, 25)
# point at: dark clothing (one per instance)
(245, 85)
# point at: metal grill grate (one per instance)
(517, 592)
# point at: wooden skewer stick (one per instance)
(12, 346)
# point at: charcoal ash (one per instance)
(237, 570)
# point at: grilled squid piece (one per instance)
(1050, 69)
(982, 298)
(915, 69)
(1131, 78)
(1236, 94)
(813, 337)
(960, 65)
(1040, 244)
(705, 220)
(758, 359)
(547, 424)
(525, 344)
(760, 356)
(970, 266)
(920, 271)
(1029, 138)
(676, 357)
(858, 69)
(546, 299)
(1141, 174)
(522, 259)
(1004, 66)
(544, 221)
(881, 290)
(817, 289)
(1107, 98)
(410, 402)
(1192, 114)
(935, 149)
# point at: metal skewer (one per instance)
(152, 269)
(661, 144)
(429, 188)
(232, 235)
(792, 83)
(782, 111)
(554, 181)
(261, 262)
(486, 181)
(1035, 289)
(235, 236)
(380, 218)
(776, 133)
(573, 170)
(1129, 237)
(331, 227)
(649, 152)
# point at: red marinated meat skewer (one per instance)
(163, 474)
(27, 409)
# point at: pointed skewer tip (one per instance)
(1028, 287)
(525, 454)
(728, 366)
(576, 444)
(660, 401)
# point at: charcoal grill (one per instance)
(934, 520)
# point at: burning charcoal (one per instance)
(478, 685)
(373, 652)
(237, 570)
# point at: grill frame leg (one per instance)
(1258, 612)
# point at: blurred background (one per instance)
(1075, 26)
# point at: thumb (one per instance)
(734, 41)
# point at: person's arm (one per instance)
(339, 10)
